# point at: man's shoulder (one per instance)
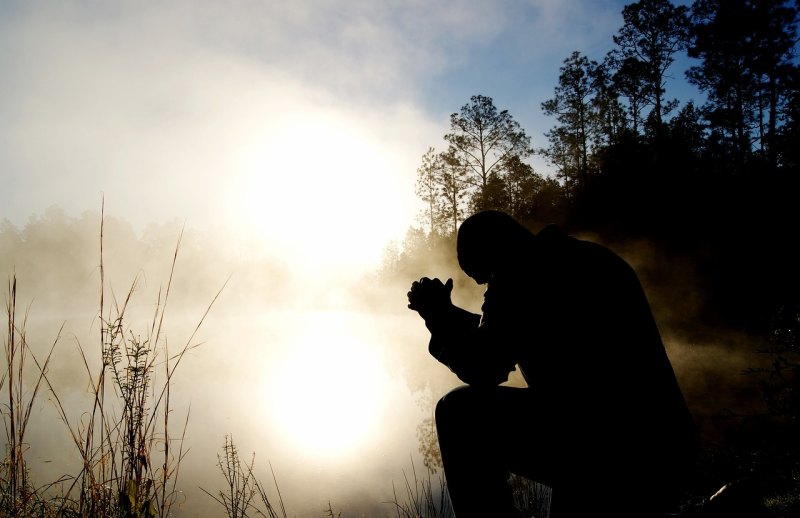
(580, 249)
(554, 238)
(551, 231)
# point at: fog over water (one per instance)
(280, 140)
(325, 379)
(303, 374)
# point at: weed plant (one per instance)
(18, 496)
(427, 497)
(129, 448)
(422, 496)
(244, 495)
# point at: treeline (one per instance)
(715, 183)
(57, 259)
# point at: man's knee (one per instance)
(454, 406)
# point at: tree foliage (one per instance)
(484, 140)
(630, 164)
(652, 33)
(748, 73)
(573, 108)
(713, 184)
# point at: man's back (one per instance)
(602, 397)
(593, 354)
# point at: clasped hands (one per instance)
(430, 296)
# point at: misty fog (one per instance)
(325, 378)
(271, 336)
(274, 145)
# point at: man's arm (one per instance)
(458, 339)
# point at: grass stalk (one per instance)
(242, 487)
(129, 418)
(421, 499)
(18, 497)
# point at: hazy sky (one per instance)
(304, 120)
(292, 128)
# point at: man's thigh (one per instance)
(507, 423)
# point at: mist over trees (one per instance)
(483, 166)
(700, 197)
(714, 182)
(57, 257)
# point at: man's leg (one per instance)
(483, 434)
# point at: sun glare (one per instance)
(325, 396)
(322, 190)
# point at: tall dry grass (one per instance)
(130, 450)
(243, 494)
(422, 496)
(129, 447)
(18, 496)
(427, 496)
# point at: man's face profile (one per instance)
(486, 241)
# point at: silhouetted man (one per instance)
(602, 422)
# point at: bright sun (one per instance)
(326, 196)
(326, 392)
(323, 189)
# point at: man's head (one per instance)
(490, 241)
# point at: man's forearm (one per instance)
(449, 330)
(452, 318)
(460, 342)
